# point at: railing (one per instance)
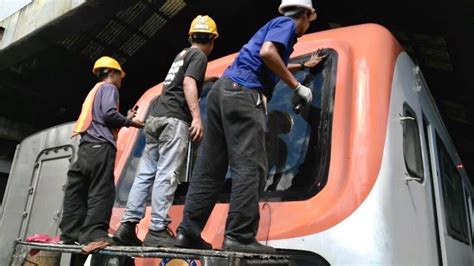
(206, 257)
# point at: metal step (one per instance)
(206, 257)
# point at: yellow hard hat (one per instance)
(204, 24)
(107, 62)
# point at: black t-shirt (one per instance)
(191, 62)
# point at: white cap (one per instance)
(308, 4)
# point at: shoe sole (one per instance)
(158, 244)
(249, 251)
(192, 247)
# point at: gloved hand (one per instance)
(304, 93)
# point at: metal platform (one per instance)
(206, 257)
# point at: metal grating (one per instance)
(127, 33)
(133, 44)
(70, 41)
(153, 25)
(112, 32)
(119, 57)
(93, 50)
(131, 13)
(172, 7)
(74, 42)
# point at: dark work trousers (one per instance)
(90, 194)
(235, 137)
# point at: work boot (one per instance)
(183, 241)
(231, 244)
(162, 238)
(97, 244)
(126, 235)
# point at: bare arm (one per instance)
(294, 67)
(210, 78)
(191, 95)
(271, 58)
(313, 61)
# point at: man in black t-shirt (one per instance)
(173, 119)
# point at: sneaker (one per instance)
(231, 244)
(183, 241)
(162, 238)
(126, 235)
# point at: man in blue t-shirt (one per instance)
(235, 131)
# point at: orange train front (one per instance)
(366, 175)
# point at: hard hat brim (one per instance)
(122, 73)
(214, 35)
(282, 7)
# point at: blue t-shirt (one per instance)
(249, 70)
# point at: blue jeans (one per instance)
(163, 160)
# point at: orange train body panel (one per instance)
(366, 59)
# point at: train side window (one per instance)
(453, 195)
(412, 144)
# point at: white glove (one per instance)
(304, 92)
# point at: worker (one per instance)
(235, 131)
(90, 189)
(174, 118)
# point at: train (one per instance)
(365, 175)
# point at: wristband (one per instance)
(302, 66)
(297, 87)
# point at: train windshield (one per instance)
(297, 143)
